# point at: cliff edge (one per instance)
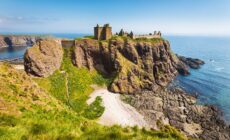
(135, 64)
(19, 40)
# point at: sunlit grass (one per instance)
(60, 112)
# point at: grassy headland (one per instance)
(56, 108)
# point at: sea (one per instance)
(18, 52)
(211, 82)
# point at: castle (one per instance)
(155, 34)
(103, 33)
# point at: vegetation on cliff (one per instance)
(31, 112)
(56, 108)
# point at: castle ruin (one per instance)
(103, 33)
(155, 34)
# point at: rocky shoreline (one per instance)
(179, 109)
(185, 63)
(16, 61)
(20, 40)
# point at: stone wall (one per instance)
(97, 32)
(103, 33)
(146, 36)
(107, 33)
(67, 43)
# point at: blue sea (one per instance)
(18, 52)
(211, 82)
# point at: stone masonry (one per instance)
(103, 33)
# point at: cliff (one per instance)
(136, 65)
(141, 69)
(18, 40)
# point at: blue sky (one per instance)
(181, 17)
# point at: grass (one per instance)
(125, 39)
(79, 84)
(89, 36)
(152, 40)
(55, 108)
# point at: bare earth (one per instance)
(18, 67)
(116, 111)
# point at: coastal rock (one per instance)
(191, 62)
(3, 43)
(179, 109)
(137, 64)
(182, 68)
(86, 53)
(43, 58)
(18, 40)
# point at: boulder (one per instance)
(43, 58)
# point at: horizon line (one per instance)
(167, 34)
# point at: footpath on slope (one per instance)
(116, 111)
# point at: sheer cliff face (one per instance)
(14, 41)
(136, 64)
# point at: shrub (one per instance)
(7, 120)
(38, 129)
(94, 110)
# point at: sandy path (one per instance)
(116, 111)
(18, 67)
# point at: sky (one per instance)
(171, 17)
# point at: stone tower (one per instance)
(102, 33)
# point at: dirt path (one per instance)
(116, 111)
(18, 67)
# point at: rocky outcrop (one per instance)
(182, 68)
(135, 64)
(43, 58)
(86, 53)
(177, 108)
(18, 40)
(191, 62)
(138, 64)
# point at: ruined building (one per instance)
(156, 34)
(102, 33)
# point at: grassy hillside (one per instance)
(55, 108)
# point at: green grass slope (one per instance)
(55, 108)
